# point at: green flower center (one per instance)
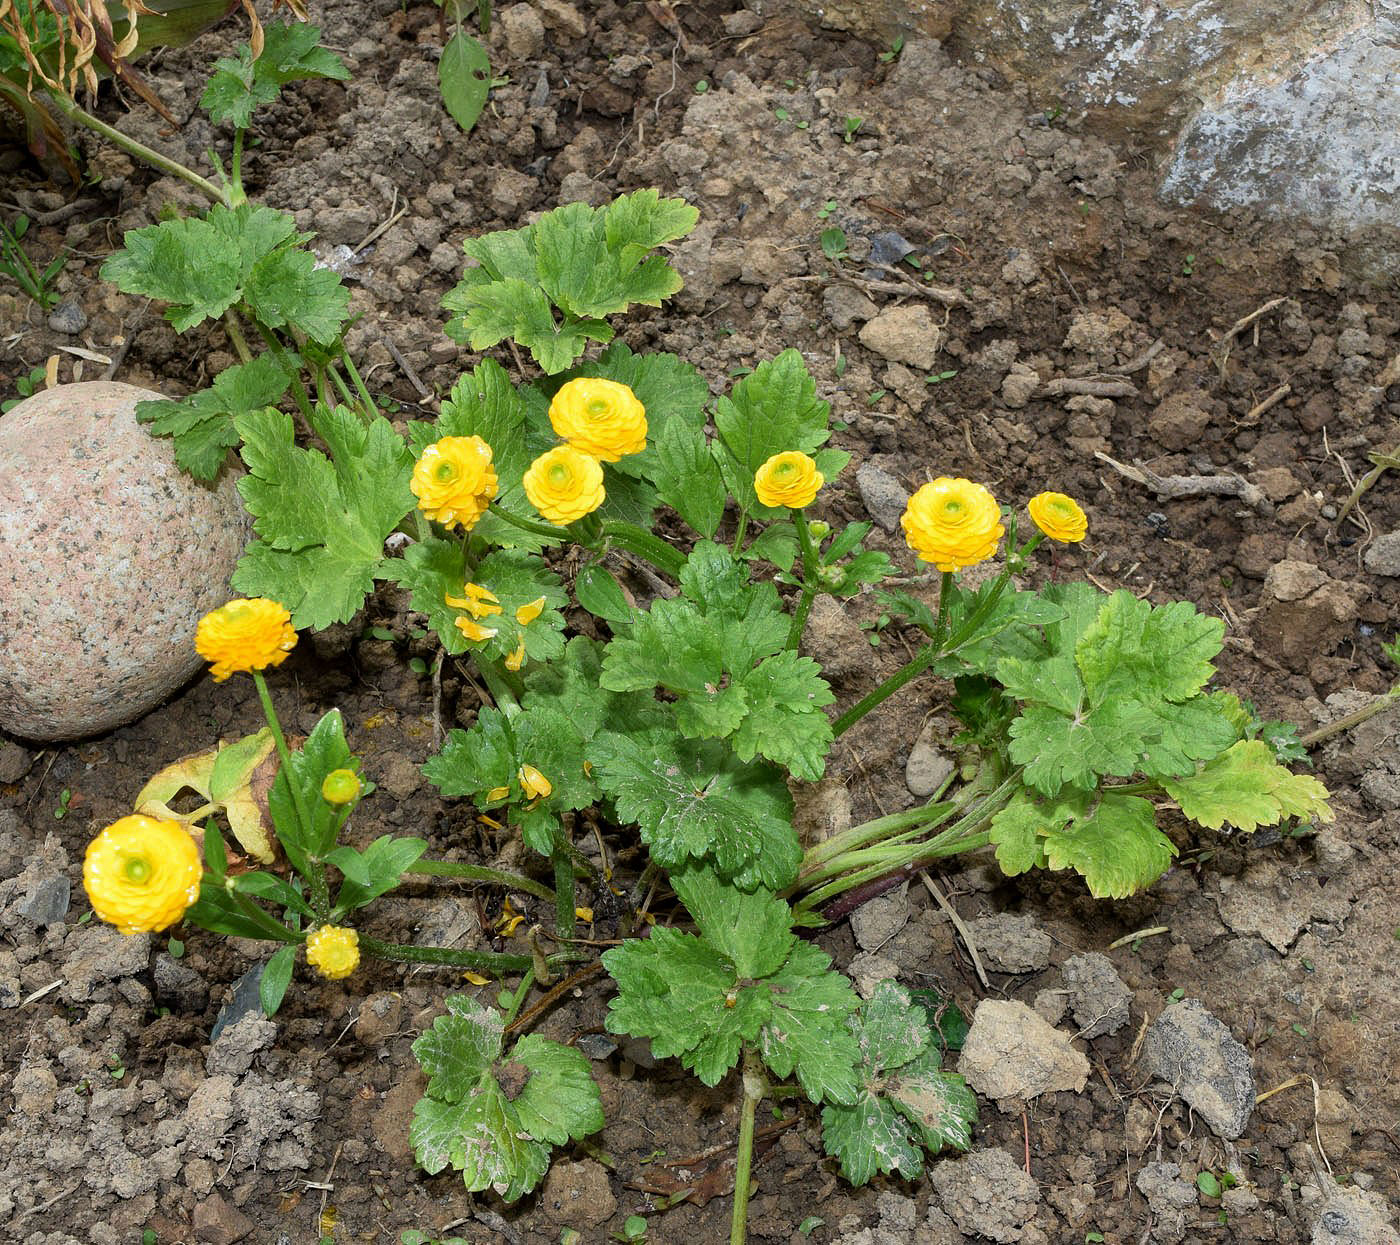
(785, 471)
(560, 475)
(598, 407)
(952, 508)
(445, 471)
(137, 869)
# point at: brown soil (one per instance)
(1061, 262)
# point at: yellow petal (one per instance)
(475, 978)
(516, 658)
(527, 614)
(497, 793)
(584, 914)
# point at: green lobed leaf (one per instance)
(384, 863)
(869, 1136)
(905, 1102)
(187, 263)
(1146, 651)
(1116, 847)
(560, 1102)
(459, 1048)
(688, 478)
(202, 424)
(751, 931)
(1017, 831)
(693, 799)
(807, 1033)
(321, 523)
(681, 994)
(473, 762)
(1246, 787)
(240, 84)
(783, 721)
(288, 290)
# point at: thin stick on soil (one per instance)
(1136, 934)
(1026, 1133)
(951, 913)
(552, 996)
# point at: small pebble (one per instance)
(68, 318)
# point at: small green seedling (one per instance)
(1176, 995)
(810, 1225)
(16, 264)
(852, 127)
(1213, 1184)
(827, 209)
(939, 377)
(701, 87)
(634, 1231)
(26, 386)
(1188, 266)
(65, 798)
(895, 49)
(833, 242)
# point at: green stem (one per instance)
(276, 931)
(280, 354)
(320, 893)
(235, 335)
(935, 648)
(522, 990)
(645, 545)
(740, 529)
(496, 962)
(1368, 711)
(506, 687)
(237, 194)
(866, 864)
(529, 525)
(371, 407)
(920, 662)
(755, 1085)
(78, 116)
(934, 812)
(479, 873)
(564, 918)
(809, 579)
(339, 381)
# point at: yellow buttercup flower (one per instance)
(1059, 517)
(454, 481)
(474, 631)
(141, 873)
(527, 614)
(340, 786)
(479, 602)
(952, 523)
(243, 636)
(599, 417)
(565, 484)
(789, 479)
(333, 951)
(533, 783)
(516, 658)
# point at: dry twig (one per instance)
(1171, 487)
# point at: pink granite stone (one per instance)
(109, 556)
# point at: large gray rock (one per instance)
(109, 556)
(1199, 1058)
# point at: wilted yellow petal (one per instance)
(527, 614)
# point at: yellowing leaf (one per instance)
(1246, 787)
